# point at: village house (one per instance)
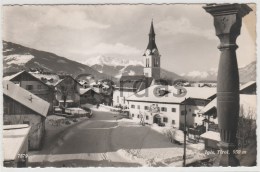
(87, 95)
(15, 145)
(34, 85)
(171, 103)
(22, 107)
(67, 92)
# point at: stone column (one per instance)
(227, 22)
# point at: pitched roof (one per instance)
(132, 77)
(151, 44)
(14, 137)
(25, 98)
(135, 83)
(248, 102)
(13, 77)
(8, 78)
(246, 85)
(84, 90)
(68, 76)
(50, 79)
(170, 96)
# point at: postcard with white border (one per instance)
(129, 85)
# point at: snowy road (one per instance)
(89, 144)
(104, 141)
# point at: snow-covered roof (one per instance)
(83, 90)
(212, 135)
(14, 136)
(26, 98)
(246, 85)
(209, 106)
(148, 94)
(248, 102)
(34, 75)
(68, 101)
(8, 78)
(51, 79)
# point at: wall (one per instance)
(37, 127)
(119, 96)
(190, 119)
(44, 92)
(168, 114)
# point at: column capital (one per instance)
(227, 22)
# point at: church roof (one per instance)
(135, 82)
(151, 44)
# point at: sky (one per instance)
(185, 34)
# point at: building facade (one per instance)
(170, 105)
(23, 107)
(33, 85)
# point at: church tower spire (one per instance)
(151, 44)
(152, 57)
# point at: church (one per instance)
(128, 85)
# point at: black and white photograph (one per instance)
(129, 85)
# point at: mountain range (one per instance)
(17, 57)
(117, 67)
(246, 73)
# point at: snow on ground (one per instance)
(156, 149)
(18, 59)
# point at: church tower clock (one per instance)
(152, 57)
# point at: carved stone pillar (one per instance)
(227, 22)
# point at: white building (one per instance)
(171, 103)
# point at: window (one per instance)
(147, 117)
(138, 116)
(132, 106)
(173, 109)
(145, 107)
(29, 87)
(183, 112)
(39, 87)
(133, 115)
(194, 115)
(138, 106)
(165, 119)
(190, 110)
(173, 122)
(163, 109)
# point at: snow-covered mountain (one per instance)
(118, 67)
(247, 73)
(112, 61)
(17, 57)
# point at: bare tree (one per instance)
(66, 88)
(246, 127)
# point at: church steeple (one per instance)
(152, 57)
(151, 44)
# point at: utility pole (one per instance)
(185, 133)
